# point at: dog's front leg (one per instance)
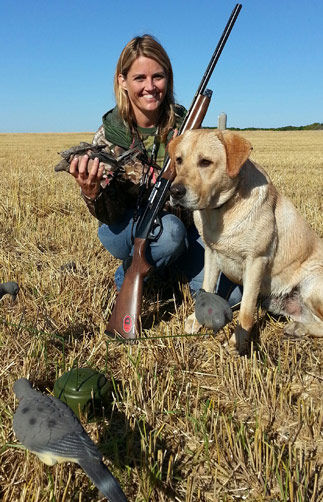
(211, 270)
(252, 277)
(211, 274)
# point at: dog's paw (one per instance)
(192, 325)
(294, 331)
(239, 342)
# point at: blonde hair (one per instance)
(145, 45)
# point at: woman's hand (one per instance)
(88, 174)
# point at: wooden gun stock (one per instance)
(125, 316)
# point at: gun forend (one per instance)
(197, 112)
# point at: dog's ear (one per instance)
(171, 152)
(237, 149)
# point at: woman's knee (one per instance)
(114, 243)
(171, 243)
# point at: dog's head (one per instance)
(207, 164)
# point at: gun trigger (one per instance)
(152, 235)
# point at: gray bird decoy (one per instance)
(9, 288)
(48, 427)
(212, 310)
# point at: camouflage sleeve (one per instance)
(99, 138)
(107, 207)
(110, 205)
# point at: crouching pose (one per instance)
(145, 119)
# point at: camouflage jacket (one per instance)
(120, 192)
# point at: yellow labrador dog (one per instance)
(251, 232)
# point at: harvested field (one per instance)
(186, 421)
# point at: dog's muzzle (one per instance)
(177, 191)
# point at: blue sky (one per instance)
(58, 58)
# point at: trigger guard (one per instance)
(157, 223)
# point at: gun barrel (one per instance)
(219, 48)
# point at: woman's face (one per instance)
(146, 85)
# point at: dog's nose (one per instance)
(178, 190)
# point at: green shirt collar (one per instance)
(118, 133)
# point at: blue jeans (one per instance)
(177, 248)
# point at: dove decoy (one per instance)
(48, 428)
(9, 288)
(211, 310)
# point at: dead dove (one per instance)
(112, 165)
(48, 427)
(212, 310)
(85, 148)
(9, 288)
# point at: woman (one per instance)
(145, 118)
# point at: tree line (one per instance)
(310, 127)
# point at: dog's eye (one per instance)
(204, 162)
(179, 160)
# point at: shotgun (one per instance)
(125, 317)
